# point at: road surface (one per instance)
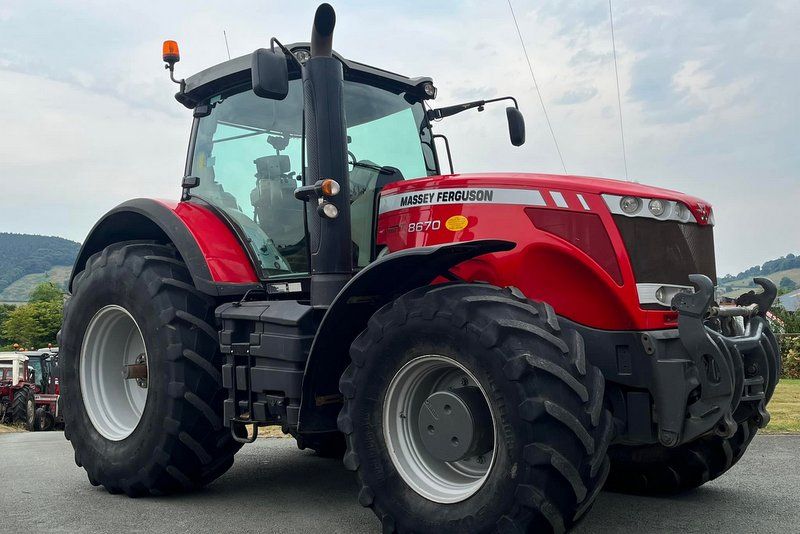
(273, 487)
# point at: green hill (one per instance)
(787, 266)
(20, 290)
(22, 255)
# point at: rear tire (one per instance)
(179, 442)
(547, 461)
(659, 470)
(23, 409)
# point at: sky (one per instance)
(709, 94)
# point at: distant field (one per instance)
(743, 285)
(19, 290)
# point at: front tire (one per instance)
(135, 304)
(548, 429)
(658, 470)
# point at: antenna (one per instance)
(225, 35)
(619, 98)
(536, 85)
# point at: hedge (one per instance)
(790, 351)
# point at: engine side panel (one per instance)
(544, 266)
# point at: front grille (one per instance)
(667, 252)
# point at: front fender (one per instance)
(216, 259)
(377, 284)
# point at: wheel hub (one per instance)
(114, 400)
(439, 430)
(450, 424)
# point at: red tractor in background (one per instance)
(29, 389)
(44, 363)
(17, 390)
(486, 351)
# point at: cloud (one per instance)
(709, 96)
(577, 96)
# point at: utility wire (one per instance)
(225, 35)
(536, 85)
(619, 98)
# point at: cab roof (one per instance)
(236, 71)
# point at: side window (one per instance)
(248, 158)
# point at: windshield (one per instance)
(35, 370)
(248, 152)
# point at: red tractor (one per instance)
(17, 390)
(486, 351)
(44, 364)
(29, 389)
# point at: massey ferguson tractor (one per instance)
(486, 351)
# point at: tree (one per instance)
(33, 325)
(787, 284)
(790, 320)
(5, 309)
(46, 292)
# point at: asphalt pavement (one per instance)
(274, 488)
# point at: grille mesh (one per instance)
(667, 252)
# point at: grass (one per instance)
(785, 408)
(7, 429)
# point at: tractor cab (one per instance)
(247, 155)
(13, 368)
(41, 370)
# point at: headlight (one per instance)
(302, 55)
(326, 209)
(630, 205)
(657, 207)
(681, 211)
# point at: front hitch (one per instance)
(720, 379)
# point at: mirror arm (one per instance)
(440, 113)
(274, 41)
(500, 99)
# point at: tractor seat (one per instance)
(276, 167)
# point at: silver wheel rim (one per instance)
(112, 341)
(436, 480)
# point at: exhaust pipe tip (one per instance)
(322, 31)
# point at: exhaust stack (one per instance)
(331, 245)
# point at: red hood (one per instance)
(577, 184)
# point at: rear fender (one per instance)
(215, 257)
(379, 283)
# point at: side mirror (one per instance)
(516, 126)
(270, 74)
